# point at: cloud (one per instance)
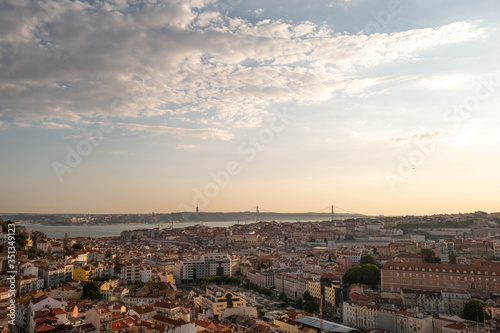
(420, 135)
(3, 125)
(186, 146)
(52, 125)
(201, 133)
(184, 60)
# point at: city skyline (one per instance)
(382, 107)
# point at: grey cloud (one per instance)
(142, 61)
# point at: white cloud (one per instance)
(420, 135)
(3, 125)
(186, 146)
(180, 60)
(202, 133)
(52, 125)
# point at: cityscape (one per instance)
(351, 274)
(216, 166)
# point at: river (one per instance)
(59, 231)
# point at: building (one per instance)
(130, 272)
(216, 300)
(479, 278)
(209, 265)
(367, 316)
(100, 318)
(84, 273)
(437, 302)
(55, 274)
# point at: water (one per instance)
(53, 231)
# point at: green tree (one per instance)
(367, 259)
(4, 225)
(282, 298)
(109, 253)
(299, 303)
(452, 257)
(77, 246)
(91, 291)
(21, 241)
(118, 266)
(307, 296)
(261, 313)
(473, 310)
(350, 237)
(311, 307)
(66, 243)
(429, 256)
(366, 274)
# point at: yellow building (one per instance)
(330, 294)
(216, 300)
(84, 273)
(314, 288)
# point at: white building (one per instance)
(209, 265)
(145, 275)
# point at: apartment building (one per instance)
(209, 265)
(55, 274)
(479, 278)
(100, 318)
(437, 302)
(368, 315)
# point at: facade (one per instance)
(437, 302)
(26, 283)
(130, 273)
(100, 318)
(480, 278)
(56, 274)
(216, 300)
(209, 265)
(145, 275)
(367, 316)
(84, 273)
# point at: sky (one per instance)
(374, 106)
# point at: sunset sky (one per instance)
(378, 107)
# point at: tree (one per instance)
(77, 246)
(21, 241)
(365, 274)
(307, 296)
(429, 256)
(282, 298)
(311, 307)
(367, 259)
(299, 303)
(261, 313)
(91, 291)
(452, 257)
(118, 266)
(350, 237)
(66, 243)
(109, 253)
(474, 310)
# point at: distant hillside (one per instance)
(89, 219)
